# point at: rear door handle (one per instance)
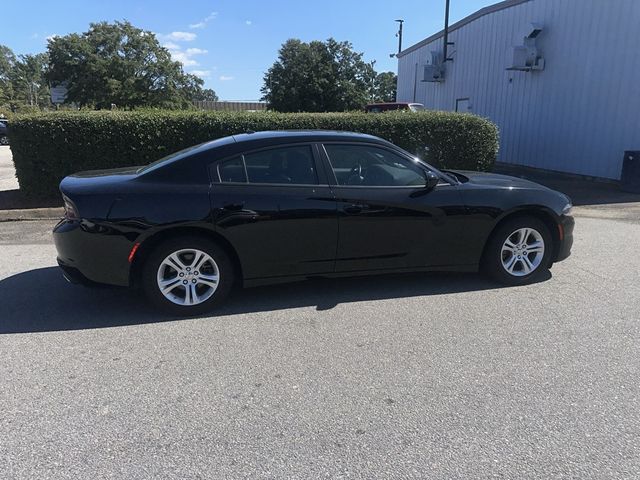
(233, 207)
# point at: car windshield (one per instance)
(416, 107)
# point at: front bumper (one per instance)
(566, 237)
(88, 253)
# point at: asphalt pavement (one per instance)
(412, 376)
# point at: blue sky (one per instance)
(230, 44)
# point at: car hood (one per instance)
(497, 180)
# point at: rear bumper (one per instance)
(88, 253)
(566, 237)
(73, 275)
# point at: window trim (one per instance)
(401, 153)
(216, 179)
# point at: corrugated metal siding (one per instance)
(578, 115)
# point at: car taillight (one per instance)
(70, 210)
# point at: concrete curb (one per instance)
(17, 215)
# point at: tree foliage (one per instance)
(29, 80)
(23, 80)
(318, 77)
(385, 87)
(7, 62)
(207, 95)
(117, 63)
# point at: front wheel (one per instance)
(4, 140)
(519, 251)
(188, 276)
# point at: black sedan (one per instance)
(274, 207)
(4, 132)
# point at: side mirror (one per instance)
(431, 180)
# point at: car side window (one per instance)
(365, 165)
(288, 165)
(232, 171)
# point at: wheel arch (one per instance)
(151, 242)
(543, 214)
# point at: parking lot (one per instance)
(413, 376)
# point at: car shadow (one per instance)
(42, 301)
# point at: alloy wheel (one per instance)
(188, 277)
(522, 252)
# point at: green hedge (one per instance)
(48, 146)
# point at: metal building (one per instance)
(561, 79)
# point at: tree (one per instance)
(29, 83)
(7, 62)
(119, 64)
(23, 80)
(317, 77)
(385, 87)
(206, 95)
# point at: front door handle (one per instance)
(355, 208)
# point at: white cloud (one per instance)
(248, 22)
(51, 37)
(195, 51)
(203, 22)
(181, 36)
(226, 78)
(184, 56)
(201, 73)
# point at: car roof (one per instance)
(281, 136)
(236, 144)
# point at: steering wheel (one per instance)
(355, 175)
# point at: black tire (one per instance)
(4, 140)
(149, 279)
(492, 261)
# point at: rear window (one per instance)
(293, 165)
(232, 171)
(186, 152)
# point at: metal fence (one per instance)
(231, 106)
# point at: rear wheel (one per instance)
(519, 251)
(188, 276)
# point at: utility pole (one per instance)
(399, 34)
(372, 95)
(445, 53)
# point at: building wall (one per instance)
(578, 115)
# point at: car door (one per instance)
(275, 207)
(387, 218)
